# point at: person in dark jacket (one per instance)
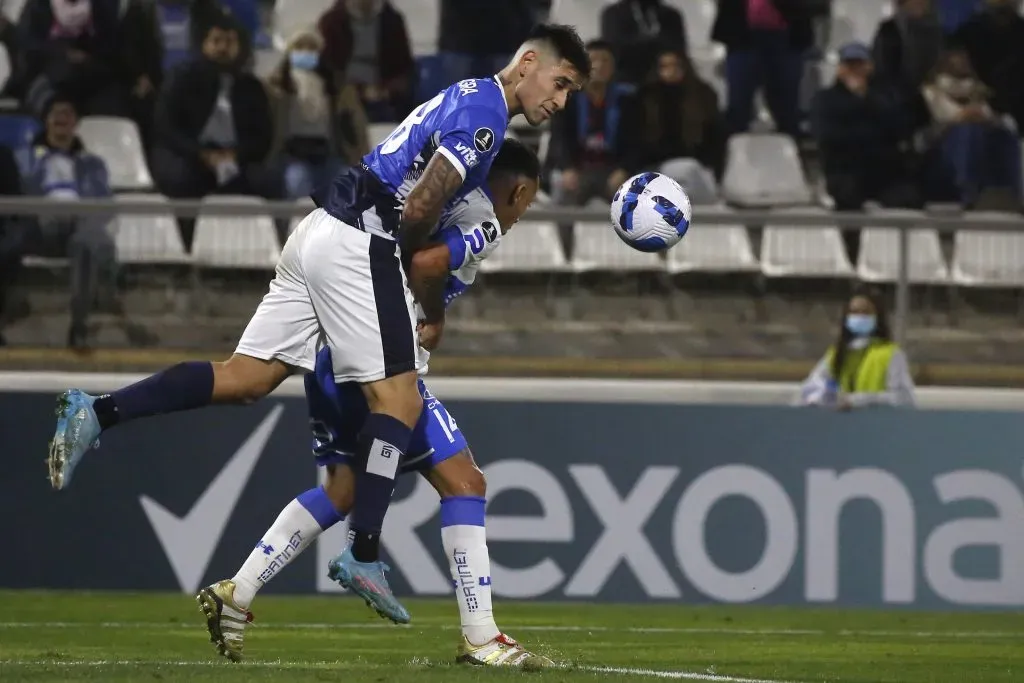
(182, 26)
(765, 42)
(14, 235)
(907, 45)
(366, 44)
(638, 30)
(862, 126)
(589, 140)
(477, 39)
(679, 128)
(994, 41)
(213, 128)
(73, 47)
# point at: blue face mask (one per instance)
(304, 59)
(860, 324)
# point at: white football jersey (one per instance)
(472, 233)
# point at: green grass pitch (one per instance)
(159, 637)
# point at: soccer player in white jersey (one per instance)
(438, 449)
(342, 278)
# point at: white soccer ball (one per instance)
(651, 212)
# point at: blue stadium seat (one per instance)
(430, 79)
(16, 132)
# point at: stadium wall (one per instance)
(600, 491)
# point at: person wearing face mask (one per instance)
(994, 41)
(864, 367)
(213, 127)
(681, 130)
(637, 30)
(979, 149)
(320, 125)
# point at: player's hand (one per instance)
(430, 334)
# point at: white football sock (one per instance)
(466, 549)
(293, 530)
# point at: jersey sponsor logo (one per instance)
(483, 139)
(467, 87)
(467, 154)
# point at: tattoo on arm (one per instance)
(426, 200)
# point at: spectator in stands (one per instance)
(366, 44)
(13, 240)
(58, 167)
(765, 41)
(589, 141)
(864, 367)
(213, 127)
(478, 39)
(183, 25)
(862, 126)
(907, 46)
(977, 145)
(953, 13)
(680, 129)
(994, 40)
(320, 123)
(142, 54)
(73, 46)
(638, 30)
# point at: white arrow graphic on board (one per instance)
(189, 541)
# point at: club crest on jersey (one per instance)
(483, 139)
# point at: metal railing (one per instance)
(944, 221)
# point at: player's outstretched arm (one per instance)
(427, 199)
(427, 279)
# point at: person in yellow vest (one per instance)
(864, 367)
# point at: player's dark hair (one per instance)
(566, 43)
(515, 159)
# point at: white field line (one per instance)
(983, 635)
(280, 665)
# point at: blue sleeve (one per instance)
(471, 136)
(452, 236)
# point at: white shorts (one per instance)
(340, 286)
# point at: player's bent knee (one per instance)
(458, 476)
(396, 396)
(340, 487)
(244, 379)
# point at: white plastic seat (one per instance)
(5, 66)
(856, 21)
(764, 170)
(12, 9)
(804, 251)
(422, 22)
(530, 247)
(377, 133)
(597, 247)
(292, 16)
(984, 258)
(585, 15)
(118, 143)
(698, 19)
(148, 238)
(235, 241)
(879, 259)
(713, 248)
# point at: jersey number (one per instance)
(401, 134)
(449, 428)
(479, 238)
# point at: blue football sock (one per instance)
(320, 507)
(383, 442)
(180, 387)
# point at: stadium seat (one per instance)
(987, 258)
(12, 9)
(856, 20)
(597, 247)
(698, 18)
(148, 238)
(235, 241)
(806, 251)
(879, 259)
(585, 15)
(292, 16)
(530, 247)
(17, 132)
(763, 171)
(422, 21)
(713, 248)
(264, 62)
(5, 66)
(118, 143)
(378, 132)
